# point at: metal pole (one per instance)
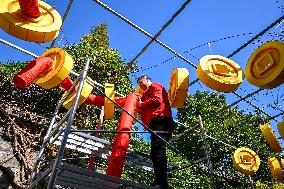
(207, 155)
(51, 126)
(135, 118)
(113, 131)
(250, 182)
(93, 83)
(48, 134)
(56, 166)
(195, 127)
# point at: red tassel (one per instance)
(30, 8)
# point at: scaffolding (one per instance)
(59, 173)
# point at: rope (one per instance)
(18, 48)
(63, 19)
(153, 38)
(257, 36)
(196, 47)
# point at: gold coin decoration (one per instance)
(265, 67)
(139, 90)
(108, 104)
(178, 87)
(246, 161)
(219, 73)
(86, 91)
(42, 29)
(61, 68)
(275, 168)
(282, 163)
(280, 127)
(270, 137)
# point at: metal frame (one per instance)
(154, 38)
(53, 128)
(54, 131)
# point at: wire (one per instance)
(153, 38)
(63, 19)
(196, 47)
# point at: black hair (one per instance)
(142, 77)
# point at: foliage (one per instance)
(231, 126)
(41, 102)
(105, 62)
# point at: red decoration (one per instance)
(25, 77)
(29, 8)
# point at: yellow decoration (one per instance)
(61, 68)
(109, 105)
(246, 161)
(86, 91)
(42, 29)
(282, 163)
(219, 73)
(280, 127)
(139, 90)
(275, 168)
(265, 67)
(270, 137)
(178, 87)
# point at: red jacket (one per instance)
(155, 103)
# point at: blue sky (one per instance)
(200, 22)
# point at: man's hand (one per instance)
(139, 103)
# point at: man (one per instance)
(155, 111)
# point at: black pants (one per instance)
(158, 149)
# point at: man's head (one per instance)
(144, 82)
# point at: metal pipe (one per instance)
(56, 166)
(113, 131)
(48, 135)
(93, 83)
(145, 127)
(250, 182)
(207, 155)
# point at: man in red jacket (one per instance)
(155, 111)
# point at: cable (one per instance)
(153, 38)
(63, 19)
(18, 48)
(187, 51)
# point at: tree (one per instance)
(231, 126)
(30, 111)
